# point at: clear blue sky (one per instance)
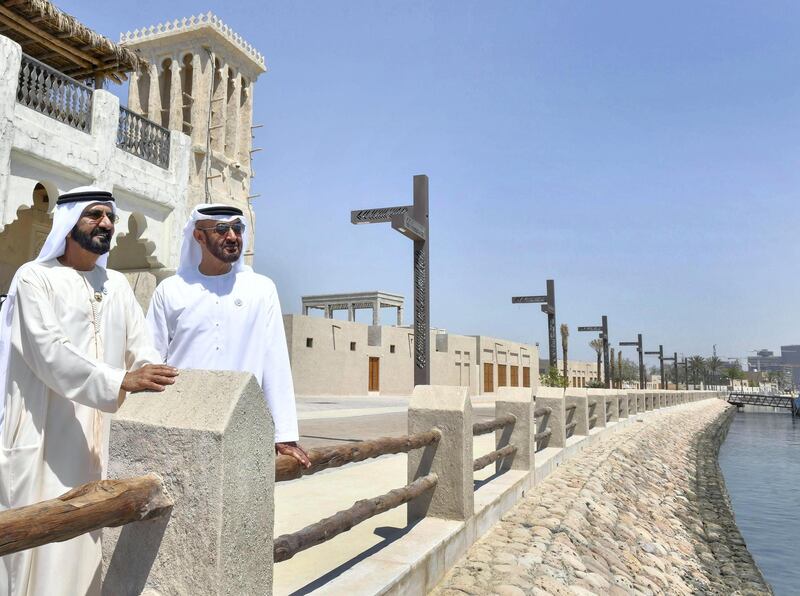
(644, 156)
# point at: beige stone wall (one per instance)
(498, 357)
(330, 356)
(580, 373)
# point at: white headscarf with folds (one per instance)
(192, 254)
(66, 214)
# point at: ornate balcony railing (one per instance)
(54, 94)
(142, 137)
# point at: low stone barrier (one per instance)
(210, 438)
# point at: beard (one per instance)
(97, 241)
(227, 252)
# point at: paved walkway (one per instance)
(623, 518)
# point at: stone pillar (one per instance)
(232, 116)
(553, 398)
(351, 312)
(612, 406)
(134, 101)
(375, 314)
(245, 124)
(598, 397)
(210, 437)
(622, 404)
(175, 96)
(641, 403)
(10, 63)
(154, 99)
(328, 311)
(399, 316)
(218, 107)
(450, 410)
(633, 402)
(517, 401)
(200, 85)
(305, 310)
(577, 397)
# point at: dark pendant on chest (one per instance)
(98, 296)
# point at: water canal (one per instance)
(760, 460)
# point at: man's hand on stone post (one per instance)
(150, 377)
(294, 450)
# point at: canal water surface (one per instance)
(760, 460)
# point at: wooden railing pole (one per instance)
(98, 504)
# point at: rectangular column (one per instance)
(517, 401)
(553, 398)
(574, 396)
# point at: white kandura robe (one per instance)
(66, 366)
(228, 322)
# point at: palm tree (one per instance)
(713, 364)
(564, 341)
(597, 346)
(697, 365)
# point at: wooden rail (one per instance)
(89, 507)
(543, 435)
(288, 545)
(570, 407)
(484, 428)
(288, 468)
(543, 411)
(593, 421)
(493, 456)
(570, 426)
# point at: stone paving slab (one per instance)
(643, 512)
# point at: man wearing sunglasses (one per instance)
(73, 342)
(216, 313)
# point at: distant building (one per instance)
(337, 357)
(788, 363)
(579, 373)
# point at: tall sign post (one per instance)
(412, 222)
(549, 307)
(685, 363)
(660, 355)
(638, 344)
(673, 358)
(603, 329)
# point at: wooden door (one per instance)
(501, 375)
(374, 373)
(488, 377)
(514, 376)
(526, 376)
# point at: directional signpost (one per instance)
(603, 329)
(549, 307)
(660, 355)
(412, 222)
(638, 344)
(674, 359)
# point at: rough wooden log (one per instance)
(288, 545)
(91, 506)
(492, 457)
(288, 468)
(543, 435)
(593, 421)
(543, 411)
(484, 428)
(570, 407)
(570, 426)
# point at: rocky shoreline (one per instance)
(642, 512)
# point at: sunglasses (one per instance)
(96, 215)
(222, 228)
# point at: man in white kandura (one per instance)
(216, 313)
(70, 331)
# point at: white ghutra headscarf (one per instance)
(192, 254)
(66, 214)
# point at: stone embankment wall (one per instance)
(643, 512)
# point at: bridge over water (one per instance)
(789, 402)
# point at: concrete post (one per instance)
(517, 401)
(375, 314)
(351, 312)
(612, 406)
(578, 397)
(640, 403)
(599, 397)
(399, 316)
(624, 404)
(553, 398)
(210, 436)
(449, 409)
(175, 96)
(10, 64)
(154, 97)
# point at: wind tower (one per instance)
(200, 82)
